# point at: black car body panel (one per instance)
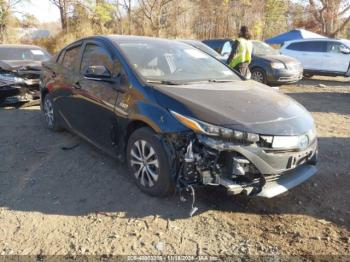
(225, 104)
(106, 111)
(290, 74)
(19, 79)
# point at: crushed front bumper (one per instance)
(280, 170)
(275, 185)
(13, 94)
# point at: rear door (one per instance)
(312, 54)
(97, 96)
(63, 84)
(338, 61)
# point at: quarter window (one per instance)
(71, 56)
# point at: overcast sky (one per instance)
(43, 10)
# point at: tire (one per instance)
(148, 163)
(259, 75)
(307, 76)
(50, 114)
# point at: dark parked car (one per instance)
(20, 68)
(178, 116)
(267, 66)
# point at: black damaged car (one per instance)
(20, 69)
(178, 116)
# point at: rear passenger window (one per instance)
(71, 56)
(309, 46)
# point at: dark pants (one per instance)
(243, 69)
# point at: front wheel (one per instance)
(148, 163)
(259, 75)
(307, 76)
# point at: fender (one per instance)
(158, 118)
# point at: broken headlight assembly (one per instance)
(212, 130)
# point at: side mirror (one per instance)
(345, 50)
(97, 72)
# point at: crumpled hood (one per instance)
(242, 105)
(10, 65)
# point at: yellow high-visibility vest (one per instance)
(243, 54)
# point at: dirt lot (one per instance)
(81, 201)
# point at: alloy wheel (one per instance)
(145, 163)
(48, 112)
(258, 76)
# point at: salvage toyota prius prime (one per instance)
(178, 117)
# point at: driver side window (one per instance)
(97, 60)
(335, 47)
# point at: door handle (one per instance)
(77, 85)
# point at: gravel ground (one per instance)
(80, 201)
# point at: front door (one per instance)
(339, 60)
(97, 120)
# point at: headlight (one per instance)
(277, 65)
(212, 130)
(290, 142)
(10, 78)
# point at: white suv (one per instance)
(321, 56)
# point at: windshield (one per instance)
(163, 60)
(204, 48)
(260, 48)
(24, 54)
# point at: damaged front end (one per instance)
(244, 163)
(19, 85)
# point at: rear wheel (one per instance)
(259, 75)
(50, 114)
(148, 163)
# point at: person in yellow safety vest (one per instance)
(241, 55)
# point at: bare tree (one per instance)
(6, 7)
(154, 11)
(62, 5)
(333, 15)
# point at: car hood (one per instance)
(11, 65)
(278, 58)
(242, 105)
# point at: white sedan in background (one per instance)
(325, 56)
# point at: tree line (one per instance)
(195, 19)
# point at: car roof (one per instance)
(344, 41)
(125, 38)
(314, 39)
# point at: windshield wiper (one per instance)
(162, 82)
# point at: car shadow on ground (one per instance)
(36, 175)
